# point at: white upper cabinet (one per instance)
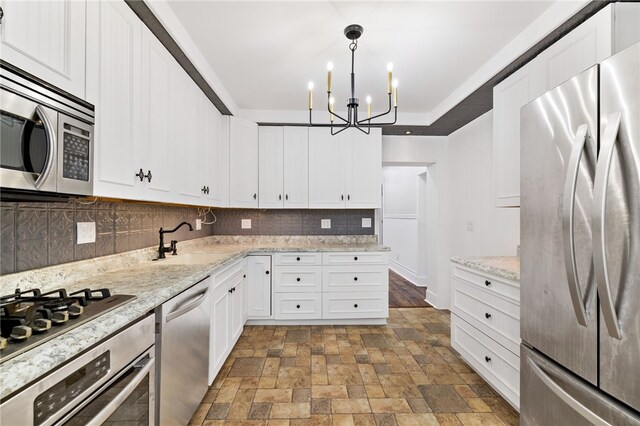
(271, 154)
(46, 39)
(215, 157)
(114, 86)
(157, 150)
(610, 30)
(284, 163)
(296, 167)
(344, 170)
(364, 170)
(243, 163)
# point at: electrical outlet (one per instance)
(325, 223)
(198, 224)
(86, 232)
(470, 226)
(366, 222)
(245, 223)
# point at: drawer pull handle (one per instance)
(266, 272)
(298, 259)
(298, 306)
(298, 279)
(487, 359)
(487, 283)
(355, 278)
(355, 258)
(355, 306)
(487, 315)
(244, 276)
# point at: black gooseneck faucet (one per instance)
(174, 244)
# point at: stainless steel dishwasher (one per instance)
(182, 346)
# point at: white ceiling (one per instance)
(266, 52)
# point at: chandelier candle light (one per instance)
(353, 33)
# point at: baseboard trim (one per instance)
(407, 274)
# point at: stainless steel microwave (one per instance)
(46, 138)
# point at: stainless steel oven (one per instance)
(112, 383)
(46, 139)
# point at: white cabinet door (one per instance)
(237, 305)
(296, 167)
(364, 170)
(220, 337)
(326, 169)
(47, 39)
(157, 149)
(258, 286)
(243, 163)
(114, 85)
(271, 155)
(509, 96)
(215, 158)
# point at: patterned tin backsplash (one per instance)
(35, 235)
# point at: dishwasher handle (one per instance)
(179, 312)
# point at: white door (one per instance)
(216, 167)
(258, 286)
(157, 149)
(271, 146)
(47, 39)
(296, 167)
(364, 170)
(243, 163)
(326, 169)
(237, 305)
(114, 85)
(220, 337)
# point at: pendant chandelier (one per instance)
(353, 33)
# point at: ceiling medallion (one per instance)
(353, 33)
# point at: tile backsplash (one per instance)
(34, 235)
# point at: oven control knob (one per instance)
(59, 317)
(3, 343)
(75, 310)
(20, 332)
(41, 325)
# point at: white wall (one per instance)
(477, 227)
(403, 186)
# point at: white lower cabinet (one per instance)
(258, 287)
(485, 327)
(292, 306)
(297, 279)
(355, 305)
(370, 278)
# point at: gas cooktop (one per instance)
(29, 318)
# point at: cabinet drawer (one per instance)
(498, 286)
(297, 279)
(354, 258)
(355, 278)
(496, 317)
(223, 276)
(290, 306)
(297, 259)
(500, 367)
(355, 305)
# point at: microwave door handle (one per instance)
(117, 401)
(568, 207)
(600, 263)
(51, 152)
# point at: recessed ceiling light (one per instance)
(408, 132)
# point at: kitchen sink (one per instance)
(192, 259)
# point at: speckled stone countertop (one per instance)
(152, 282)
(503, 266)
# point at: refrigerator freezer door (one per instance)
(558, 157)
(616, 226)
(552, 396)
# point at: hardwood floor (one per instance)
(403, 294)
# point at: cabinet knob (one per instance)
(244, 276)
(148, 176)
(348, 197)
(286, 197)
(230, 290)
(355, 306)
(204, 190)
(298, 259)
(487, 359)
(355, 258)
(298, 279)
(255, 195)
(140, 175)
(487, 283)
(487, 315)
(355, 278)
(342, 197)
(298, 306)
(266, 272)
(279, 196)
(1, 15)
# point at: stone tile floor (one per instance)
(404, 373)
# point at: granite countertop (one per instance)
(152, 282)
(503, 266)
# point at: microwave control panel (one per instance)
(75, 151)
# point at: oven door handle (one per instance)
(117, 401)
(51, 152)
(179, 312)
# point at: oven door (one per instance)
(128, 399)
(28, 133)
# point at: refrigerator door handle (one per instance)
(609, 139)
(565, 397)
(568, 207)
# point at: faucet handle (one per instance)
(174, 247)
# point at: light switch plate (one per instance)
(325, 223)
(245, 224)
(366, 222)
(86, 232)
(198, 224)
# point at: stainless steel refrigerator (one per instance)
(580, 249)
